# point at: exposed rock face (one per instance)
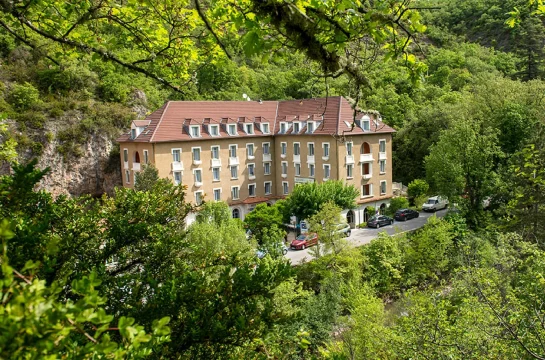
(94, 173)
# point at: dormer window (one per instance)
(310, 127)
(283, 127)
(133, 134)
(195, 131)
(265, 128)
(232, 129)
(249, 128)
(296, 127)
(366, 123)
(213, 130)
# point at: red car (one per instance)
(303, 241)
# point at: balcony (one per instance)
(349, 159)
(215, 163)
(382, 156)
(366, 158)
(177, 166)
(284, 176)
(296, 158)
(366, 176)
(136, 166)
(251, 157)
(310, 159)
(283, 156)
(233, 161)
(325, 158)
(197, 162)
(198, 184)
(126, 165)
(267, 157)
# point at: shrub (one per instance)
(398, 203)
(417, 187)
(419, 201)
(362, 225)
(24, 96)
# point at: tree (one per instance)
(397, 203)
(263, 217)
(307, 199)
(7, 145)
(324, 223)
(145, 179)
(417, 188)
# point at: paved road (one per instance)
(364, 236)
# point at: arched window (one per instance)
(382, 209)
(366, 215)
(365, 148)
(236, 213)
(350, 218)
(136, 157)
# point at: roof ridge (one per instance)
(339, 114)
(159, 123)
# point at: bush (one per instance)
(417, 187)
(24, 96)
(362, 225)
(398, 203)
(419, 201)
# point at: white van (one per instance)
(435, 203)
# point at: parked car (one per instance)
(435, 203)
(344, 229)
(280, 246)
(406, 214)
(303, 241)
(379, 220)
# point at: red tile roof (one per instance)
(333, 115)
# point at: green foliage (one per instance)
(263, 217)
(23, 96)
(145, 179)
(7, 145)
(417, 188)
(324, 223)
(306, 199)
(397, 203)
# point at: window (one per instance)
(296, 127)
(367, 190)
(268, 186)
(198, 197)
(265, 128)
(198, 175)
(251, 170)
(251, 190)
(310, 126)
(349, 148)
(133, 134)
(365, 123)
(266, 148)
(217, 194)
(232, 129)
(284, 168)
(250, 150)
(311, 149)
(128, 176)
(176, 155)
(125, 155)
(283, 128)
(349, 171)
(146, 157)
(216, 174)
(382, 187)
(327, 171)
(214, 130)
(283, 148)
(382, 146)
(267, 167)
(195, 131)
(236, 214)
(249, 128)
(297, 169)
(382, 166)
(234, 192)
(233, 151)
(326, 149)
(215, 152)
(296, 149)
(311, 170)
(177, 177)
(285, 187)
(196, 154)
(234, 172)
(366, 168)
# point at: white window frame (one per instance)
(285, 187)
(299, 146)
(231, 171)
(370, 190)
(382, 166)
(265, 168)
(219, 173)
(309, 123)
(127, 176)
(283, 149)
(328, 170)
(126, 155)
(313, 172)
(298, 123)
(212, 151)
(174, 177)
(265, 128)
(297, 169)
(133, 134)
(193, 127)
(283, 127)
(238, 192)
(217, 130)
(236, 150)
(284, 166)
(350, 166)
(195, 171)
(146, 157)
(232, 126)
(201, 193)
(309, 146)
(370, 168)
(265, 187)
(199, 160)
(385, 187)
(324, 146)
(382, 141)
(249, 128)
(268, 148)
(252, 145)
(366, 123)
(180, 152)
(251, 165)
(214, 192)
(255, 190)
(351, 147)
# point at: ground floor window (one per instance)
(236, 214)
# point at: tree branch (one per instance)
(203, 17)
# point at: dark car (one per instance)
(406, 214)
(303, 241)
(379, 220)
